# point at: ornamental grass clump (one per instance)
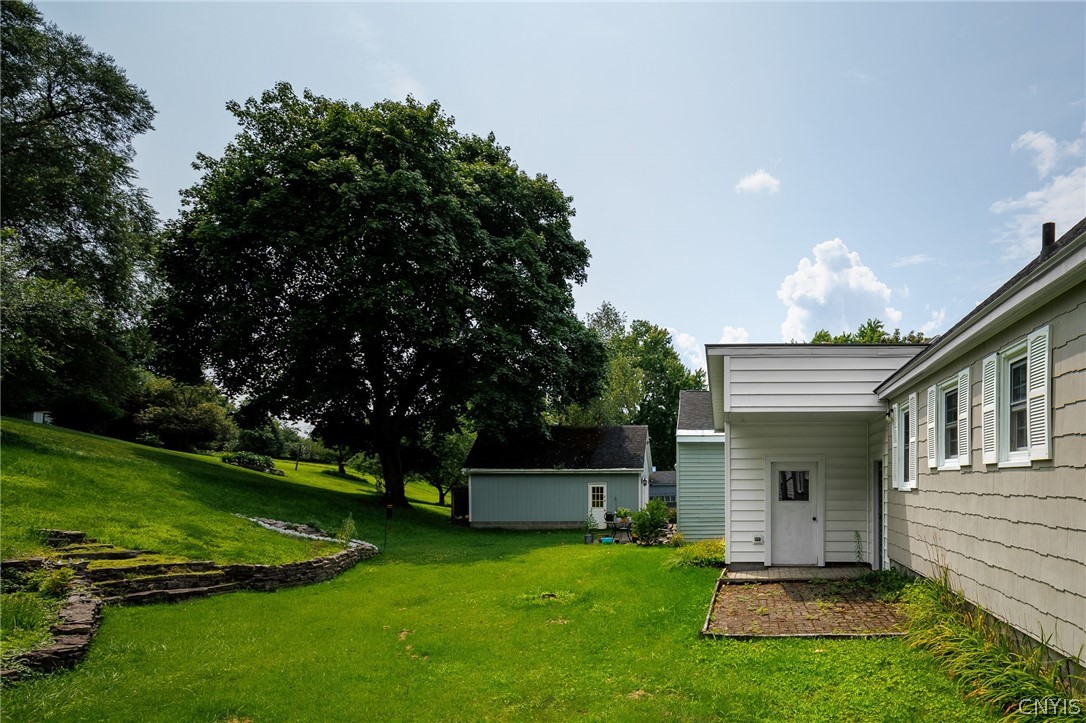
(703, 553)
(981, 658)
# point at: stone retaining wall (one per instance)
(80, 617)
(72, 634)
(305, 572)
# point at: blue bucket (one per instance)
(607, 540)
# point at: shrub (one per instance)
(703, 553)
(677, 540)
(978, 655)
(649, 524)
(249, 460)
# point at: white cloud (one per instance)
(690, 351)
(734, 335)
(398, 81)
(757, 182)
(934, 322)
(1047, 151)
(836, 291)
(1062, 200)
(911, 260)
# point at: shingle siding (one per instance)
(1013, 538)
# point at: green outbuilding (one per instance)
(558, 480)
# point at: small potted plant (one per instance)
(623, 515)
(589, 525)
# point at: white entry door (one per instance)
(597, 504)
(794, 509)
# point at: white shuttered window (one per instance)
(1016, 413)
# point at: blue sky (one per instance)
(741, 172)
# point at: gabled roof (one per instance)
(1051, 272)
(662, 478)
(695, 410)
(569, 448)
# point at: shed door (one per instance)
(597, 502)
(795, 514)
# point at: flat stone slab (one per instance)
(799, 609)
(760, 573)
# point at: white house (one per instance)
(967, 453)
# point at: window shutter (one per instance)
(895, 454)
(914, 453)
(1037, 376)
(965, 404)
(988, 410)
(932, 402)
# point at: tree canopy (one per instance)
(77, 232)
(342, 262)
(872, 331)
(642, 383)
(69, 116)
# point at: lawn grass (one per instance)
(447, 623)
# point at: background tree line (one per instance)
(368, 270)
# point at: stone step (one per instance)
(155, 596)
(102, 574)
(106, 554)
(168, 581)
(58, 538)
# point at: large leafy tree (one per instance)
(77, 232)
(70, 202)
(642, 384)
(664, 376)
(373, 264)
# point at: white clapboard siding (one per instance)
(699, 489)
(844, 446)
(809, 378)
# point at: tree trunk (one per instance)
(339, 459)
(392, 471)
(441, 495)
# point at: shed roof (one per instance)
(695, 410)
(662, 478)
(569, 448)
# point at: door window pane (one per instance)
(794, 486)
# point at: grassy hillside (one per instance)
(176, 504)
(446, 624)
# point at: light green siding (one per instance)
(699, 494)
(544, 500)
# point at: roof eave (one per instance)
(1055, 275)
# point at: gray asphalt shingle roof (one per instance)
(695, 410)
(568, 448)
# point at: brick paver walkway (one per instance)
(772, 609)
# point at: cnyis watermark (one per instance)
(1050, 706)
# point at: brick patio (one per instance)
(782, 602)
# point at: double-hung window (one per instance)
(903, 444)
(948, 422)
(1016, 418)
